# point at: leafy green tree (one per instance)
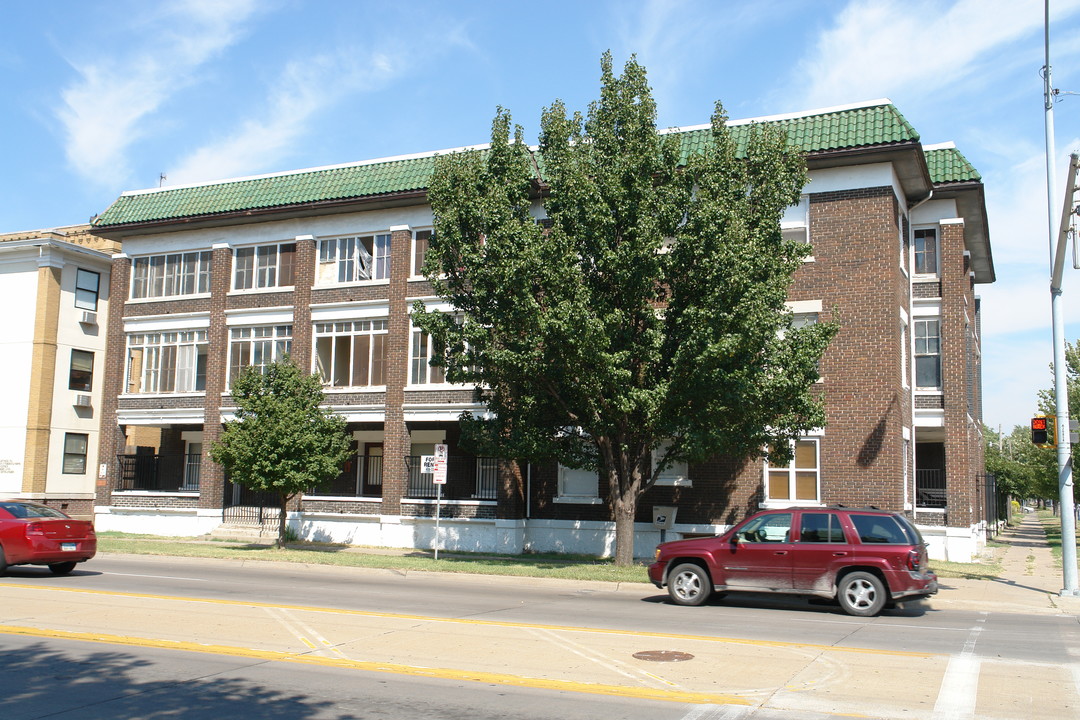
(646, 314)
(1018, 467)
(282, 441)
(1048, 405)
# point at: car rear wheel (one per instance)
(689, 584)
(861, 593)
(62, 568)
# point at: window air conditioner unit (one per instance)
(82, 401)
(88, 318)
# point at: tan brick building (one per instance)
(323, 264)
(54, 290)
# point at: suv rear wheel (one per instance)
(689, 584)
(861, 593)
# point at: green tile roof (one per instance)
(867, 125)
(948, 165)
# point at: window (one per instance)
(169, 275)
(81, 374)
(351, 354)
(423, 373)
(905, 349)
(420, 247)
(771, 528)
(577, 484)
(351, 259)
(676, 473)
(86, 289)
(881, 529)
(257, 347)
(797, 481)
(75, 453)
(928, 354)
(795, 223)
(167, 362)
(926, 252)
(821, 528)
(266, 266)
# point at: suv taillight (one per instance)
(35, 528)
(913, 560)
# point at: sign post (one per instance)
(438, 477)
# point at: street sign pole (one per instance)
(438, 477)
(1059, 235)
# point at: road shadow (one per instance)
(796, 603)
(40, 681)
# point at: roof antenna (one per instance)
(161, 179)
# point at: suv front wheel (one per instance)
(689, 584)
(861, 593)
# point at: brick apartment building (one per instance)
(324, 264)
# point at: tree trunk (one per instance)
(624, 508)
(281, 520)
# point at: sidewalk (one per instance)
(1030, 582)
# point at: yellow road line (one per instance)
(487, 623)
(393, 668)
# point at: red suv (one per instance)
(864, 558)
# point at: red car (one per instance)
(864, 558)
(35, 534)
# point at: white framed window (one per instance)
(257, 347)
(928, 354)
(421, 243)
(87, 283)
(422, 372)
(581, 486)
(905, 349)
(167, 362)
(677, 473)
(795, 223)
(351, 354)
(353, 259)
(176, 274)
(799, 481)
(926, 251)
(264, 266)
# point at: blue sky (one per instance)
(102, 97)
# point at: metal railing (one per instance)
(930, 489)
(163, 472)
(467, 478)
(361, 477)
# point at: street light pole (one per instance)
(1058, 243)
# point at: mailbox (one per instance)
(663, 516)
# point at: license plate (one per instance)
(69, 547)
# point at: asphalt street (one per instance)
(375, 643)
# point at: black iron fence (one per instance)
(930, 489)
(168, 472)
(362, 476)
(467, 478)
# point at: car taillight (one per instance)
(913, 560)
(35, 529)
(90, 531)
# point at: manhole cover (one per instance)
(663, 655)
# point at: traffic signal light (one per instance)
(1042, 432)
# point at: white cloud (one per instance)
(888, 47)
(103, 112)
(304, 89)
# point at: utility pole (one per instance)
(1059, 238)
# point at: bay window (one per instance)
(265, 266)
(167, 362)
(170, 275)
(352, 259)
(257, 347)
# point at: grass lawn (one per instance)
(567, 567)
(1052, 527)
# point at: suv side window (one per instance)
(821, 528)
(879, 529)
(775, 527)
